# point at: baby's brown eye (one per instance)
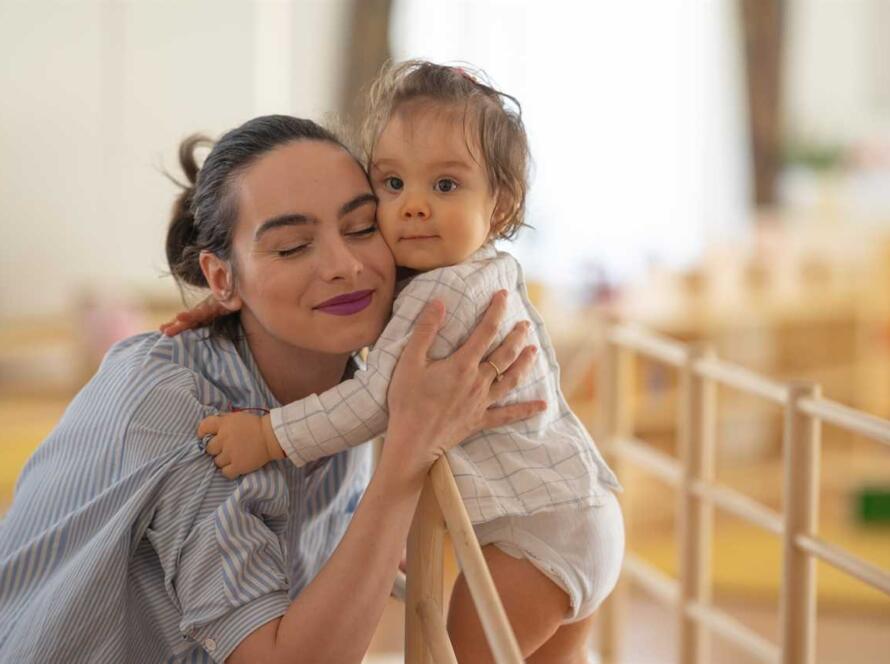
(445, 185)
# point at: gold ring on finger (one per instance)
(500, 374)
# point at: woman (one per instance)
(125, 543)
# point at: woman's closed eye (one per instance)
(365, 231)
(285, 242)
(291, 251)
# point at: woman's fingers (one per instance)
(511, 378)
(506, 353)
(486, 331)
(425, 328)
(497, 417)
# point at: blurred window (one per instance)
(634, 112)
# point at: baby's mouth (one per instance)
(405, 238)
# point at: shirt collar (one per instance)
(485, 252)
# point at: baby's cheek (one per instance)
(389, 236)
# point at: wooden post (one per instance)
(495, 624)
(615, 420)
(801, 494)
(426, 541)
(436, 632)
(695, 515)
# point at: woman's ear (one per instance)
(221, 280)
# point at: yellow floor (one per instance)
(747, 564)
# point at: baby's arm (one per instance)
(354, 411)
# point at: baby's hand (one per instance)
(241, 442)
(200, 315)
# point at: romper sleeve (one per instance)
(218, 541)
(354, 411)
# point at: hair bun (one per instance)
(187, 159)
(182, 233)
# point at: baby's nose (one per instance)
(412, 213)
(416, 208)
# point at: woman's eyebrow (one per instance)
(355, 203)
(282, 220)
(296, 219)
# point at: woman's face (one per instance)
(312, 270)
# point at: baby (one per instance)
(448, 161)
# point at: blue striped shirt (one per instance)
(124, 543)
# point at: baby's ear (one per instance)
(504, 208)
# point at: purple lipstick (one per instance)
(348, 304)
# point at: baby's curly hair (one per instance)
(494, 119)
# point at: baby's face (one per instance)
(435, 204)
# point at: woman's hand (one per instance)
(198, 316)
(436, 404)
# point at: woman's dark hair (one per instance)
(205, 213)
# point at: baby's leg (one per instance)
(569, 645)
(535, 606)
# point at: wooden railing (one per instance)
(692, 474)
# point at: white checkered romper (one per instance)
(543, 463)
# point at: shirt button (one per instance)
(209, 645)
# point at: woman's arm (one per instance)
(433, 406)
(335, 616)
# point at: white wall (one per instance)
(837, 70)
(94, 99)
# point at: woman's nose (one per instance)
(338, 261)
(415, 207)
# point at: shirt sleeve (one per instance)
(219, 545)
(218, 541)
(355, 411)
